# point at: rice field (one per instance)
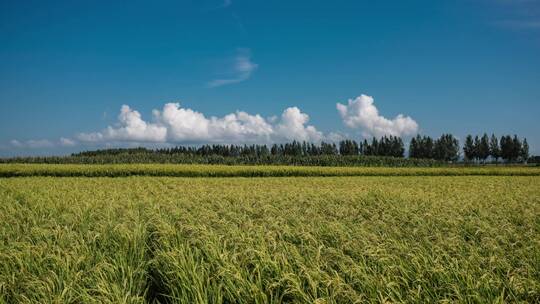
(122, 170)
(387, 237)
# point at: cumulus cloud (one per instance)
(293, 126)
(362, 113)
(185, 125)
(130, 127)
(174, 124)
(243, 67)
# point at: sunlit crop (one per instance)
(351, 239)
(121, 170)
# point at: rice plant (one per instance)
(352, 239)
(122, 170)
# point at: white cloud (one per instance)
(67, 142)
(174, 124)
(242, 70)
(90, 137)
(16, 143)
(41, 143)
(293, 126)
(186, 125)
(362, 113)
(131, 127)
(32, 143)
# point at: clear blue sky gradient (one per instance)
(454, 66)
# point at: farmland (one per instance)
(122, 170)
(218, 234)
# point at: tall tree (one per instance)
(413, 148)
(397, 147)
(468, 148)
(524, 153)
(476, 150)
(348, 147)
(506, 147)
(516, 148)
(494, 149)
(446, 148)
(328, 149)
(483, 148)
(427, 147)
(421, 147)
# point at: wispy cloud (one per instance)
(67, 142)
(519, 14)
(242, 69)
(516, 1)
(32, 143)
(224, 4)
(42, 143)
(520, 24)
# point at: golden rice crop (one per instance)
(270, 240)
(120, 170)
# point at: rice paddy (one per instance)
(386, 237)
(122, 170)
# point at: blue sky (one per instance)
(263, 71)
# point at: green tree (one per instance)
(446, 148)
(494, 149)
(516, 148)
(397, 147)
(483, 148)
(524, 153)
(421, 147)
(348, 147)
(413, 148)
(427, 147)
(506, 148)
(468, 148)
(476, 150)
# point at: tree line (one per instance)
(391, 146)
(477, 149)
(510, 149)
(445, 148)
(386, 150)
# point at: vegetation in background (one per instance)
(443, 149)
(274, 240)
(385, 151)
(510, 149)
